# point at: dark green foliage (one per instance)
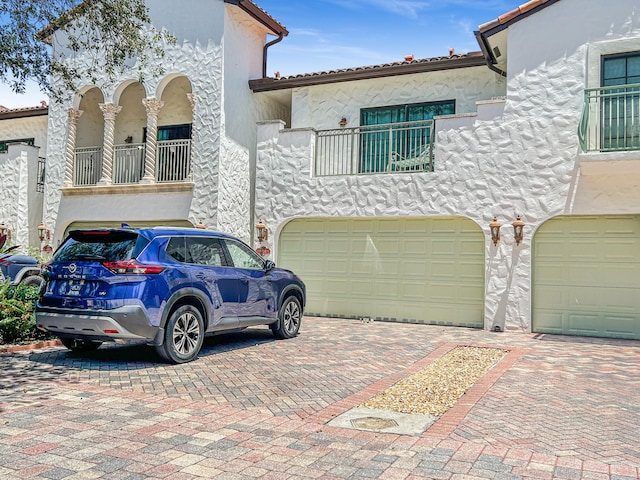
(17, 317)
(107, 33)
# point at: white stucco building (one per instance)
(23, 143)
(178, 149)
(378, 230)
(379, 184)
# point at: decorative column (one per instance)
(192, 101)
(153, 106)
(70, 152)
(109, 110)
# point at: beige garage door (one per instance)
(586, 274)
(425, 270)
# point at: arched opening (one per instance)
(129, 141)
(175, 121)
(89, 138)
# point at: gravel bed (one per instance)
(437, 387)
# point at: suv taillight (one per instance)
(131, 267)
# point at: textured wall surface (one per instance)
(323, 106)
(217, 52)
(522, 163)
(28, 127)
(14, 191)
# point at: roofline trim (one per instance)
(505, 21)
(23, 112)
(261, 16)
(473, 59)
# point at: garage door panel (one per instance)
(383, 268)
(444, 248)
(621, 327)
(587, 276)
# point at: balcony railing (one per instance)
(610, 119)
(88, 166)
(173, 160)
(173, 163)
(128, 163)
(389, 148)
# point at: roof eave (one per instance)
(408, 68)
(261, 16)
(505, 21)
(23, 113)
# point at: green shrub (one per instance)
(17, 314)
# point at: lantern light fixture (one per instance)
(518, 230)
(201, 225)
(262, 231)
(494, 226)
(343, 122)
(43, 233)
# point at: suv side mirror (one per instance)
(269, 265)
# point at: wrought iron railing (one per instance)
(394, 147)
(610, 119)
(173, 160)
(41, 172)
(88, 166)
(128, 163)
(173, 163)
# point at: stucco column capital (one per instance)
(109, 110)
(153, 105)
(74, 115)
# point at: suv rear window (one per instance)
(101, 245)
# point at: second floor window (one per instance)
(620, 114)
(397, 134)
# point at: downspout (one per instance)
(264, 53)
(488, 54)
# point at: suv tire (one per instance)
(289, 319)
(183, 335)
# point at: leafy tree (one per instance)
(109, 34)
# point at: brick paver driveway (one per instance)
(253, 407)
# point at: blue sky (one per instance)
(333, 34)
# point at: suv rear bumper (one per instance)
(124, 323)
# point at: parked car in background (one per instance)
(19, 269)
(166, 286)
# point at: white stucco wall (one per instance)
(323, 106)
(26, 127)
(20, 203)
(522, 163)
(217, 50)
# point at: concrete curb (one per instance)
(30, 346)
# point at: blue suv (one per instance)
(167, 286)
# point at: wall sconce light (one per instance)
(4, 230)
(518, 230)
(201, 226)
(43, 233)
(495, 230)
(262, 231)
(343, 122)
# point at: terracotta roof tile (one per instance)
(6, 113)
(513, 14)
(384, 65)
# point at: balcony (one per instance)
(390, 148)
(611, 119)
(173, 163)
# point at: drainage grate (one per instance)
(374, 423)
